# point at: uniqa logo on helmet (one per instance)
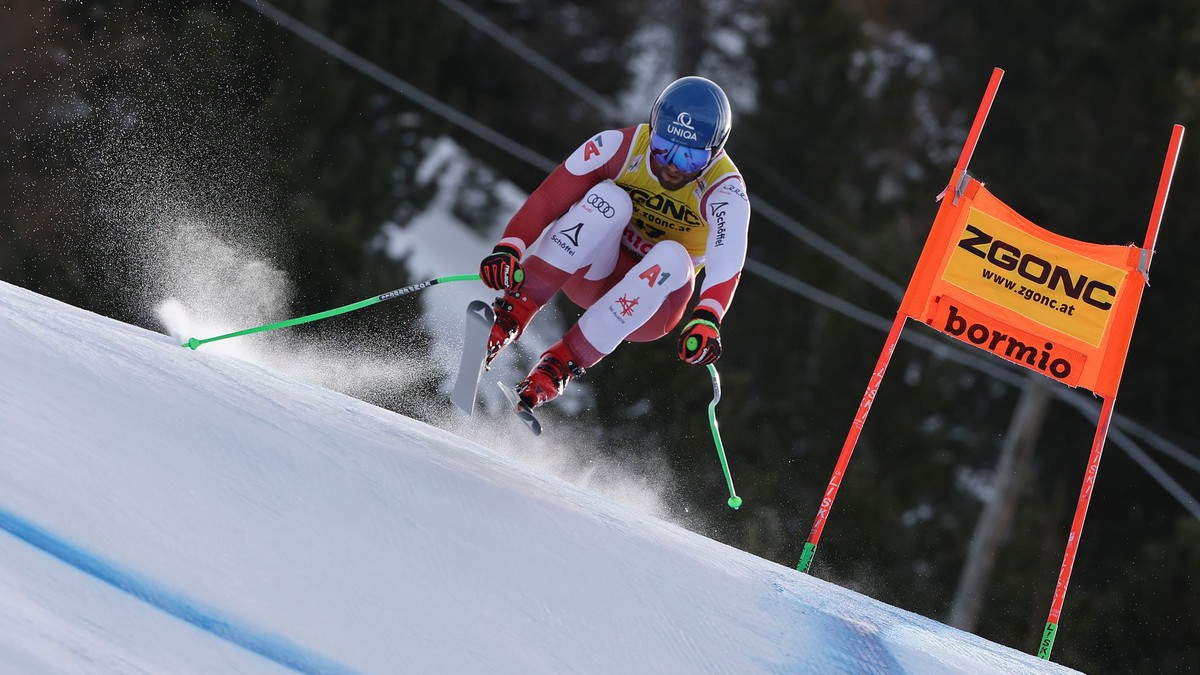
(693, 111)
(682, 128)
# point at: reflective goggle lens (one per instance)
(687, 160)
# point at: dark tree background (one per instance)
(848, 118)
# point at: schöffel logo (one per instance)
(717, 210)
(571, 234)
(682, 127)
(602, 206)
(1036, 270)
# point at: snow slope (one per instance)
(171, 511)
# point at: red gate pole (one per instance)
(860, 419)
(1093, 466)
(985, 105)
(889, 346)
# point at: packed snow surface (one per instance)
(164, 510)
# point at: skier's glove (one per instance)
(700, 343)
(502, 269)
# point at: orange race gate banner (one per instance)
(991, 278)
(1064, 308)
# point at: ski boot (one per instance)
(549, 377)
(513, 313)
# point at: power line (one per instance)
(755, 267)
(399, 86)
(530, 56)
(858, 267)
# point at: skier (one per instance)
(633, 214)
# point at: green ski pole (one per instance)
(390, 295)
(734, 500)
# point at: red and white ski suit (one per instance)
(605, 231)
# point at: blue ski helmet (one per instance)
(693, 112)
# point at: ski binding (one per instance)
(524, 412)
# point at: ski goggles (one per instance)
(687, 160)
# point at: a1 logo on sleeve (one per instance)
(594, 153)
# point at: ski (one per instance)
(524, 413)
(474, 355)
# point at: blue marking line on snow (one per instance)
(858, 645)
(273, 647)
